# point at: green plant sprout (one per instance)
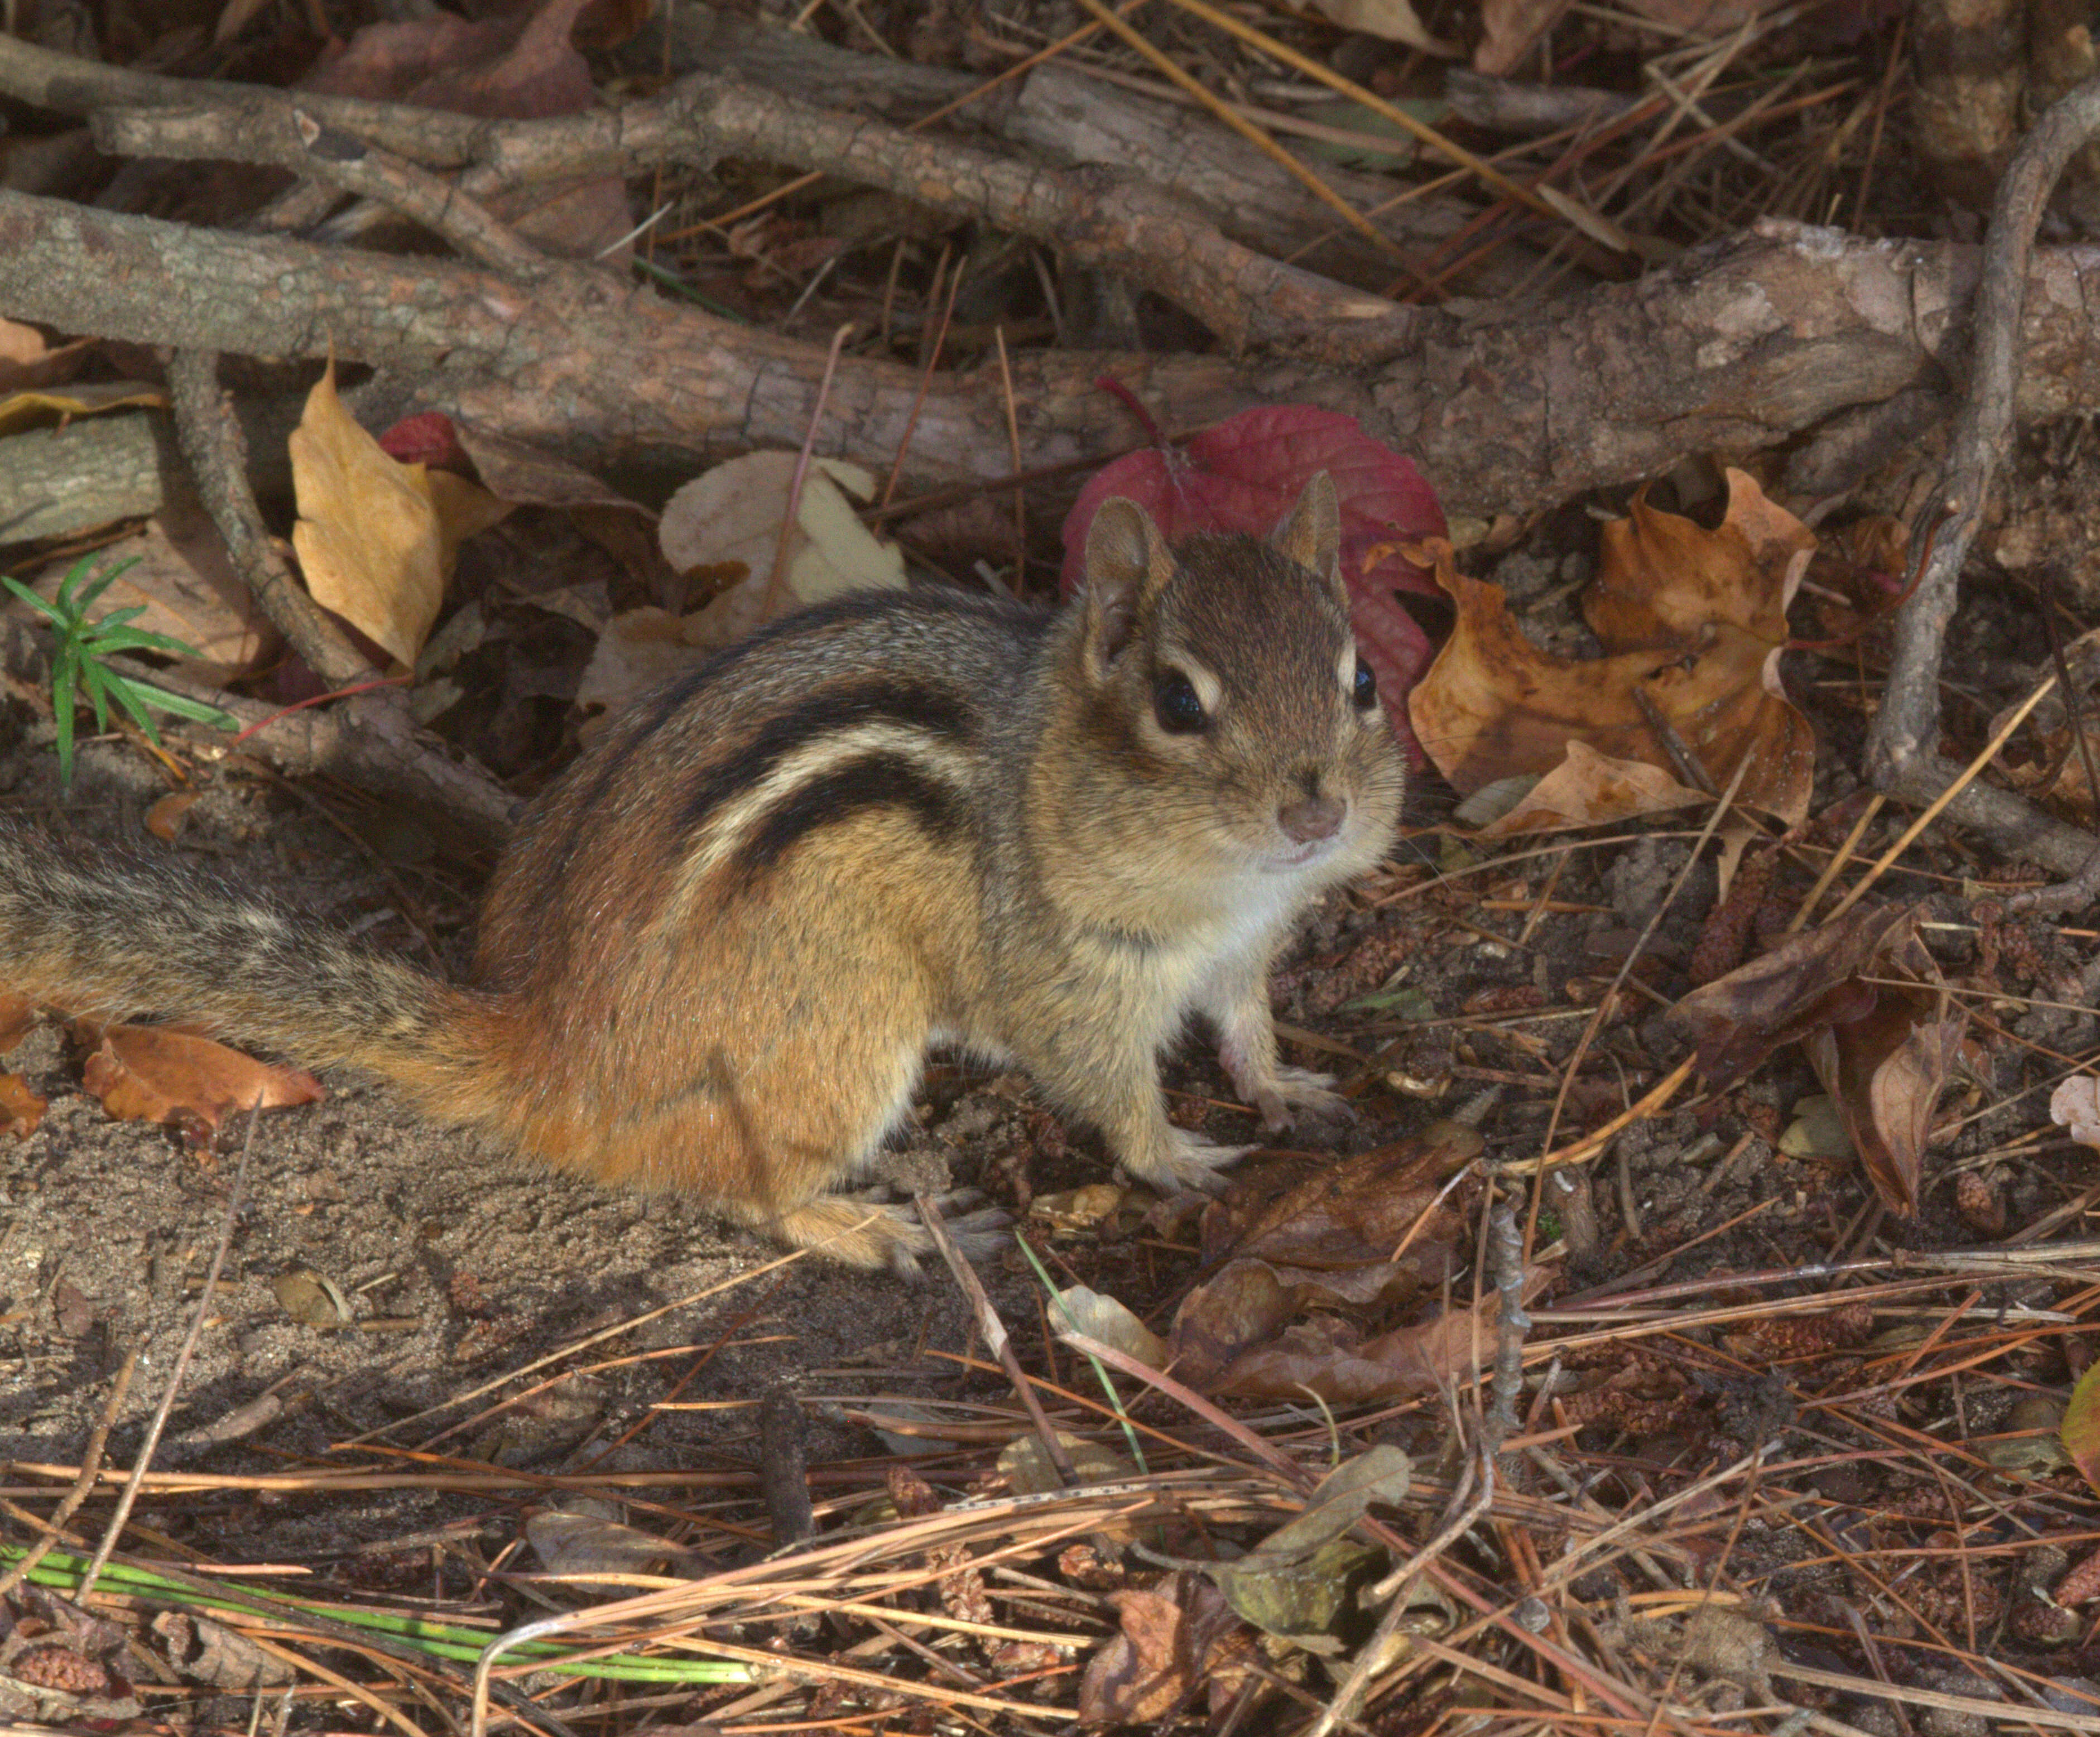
(77, 664)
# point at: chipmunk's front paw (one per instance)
(1297, 1092)
(1190, 1163)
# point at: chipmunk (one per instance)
(716, 951)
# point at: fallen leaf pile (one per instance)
(1692, 623)
(1868, 1006)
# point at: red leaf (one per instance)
(1247, 473)
(427, 439)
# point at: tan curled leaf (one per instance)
(734, 513)
(153, 1074)
(1867, 1003)
(368, 535)
(1886, 1073)
(1084, 1310)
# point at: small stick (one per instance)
(1013, 454)
(1909, 719)
(129, 1494)
(217, 450)
(1506, 1266)
(925, 380)
(993, 1330)
(778, 577)
(784, 1472)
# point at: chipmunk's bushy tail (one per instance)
(115, 935)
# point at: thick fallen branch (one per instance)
(1734, 349)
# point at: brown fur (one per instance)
(716, 951)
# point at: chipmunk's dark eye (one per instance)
(1365, 690)
(1176, 704)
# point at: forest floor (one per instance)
(1775, 1442)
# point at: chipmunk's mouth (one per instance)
(1297, 857)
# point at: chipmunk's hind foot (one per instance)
(869, 1237)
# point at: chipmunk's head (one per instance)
(1225, 685)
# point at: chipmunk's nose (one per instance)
(1311, 817)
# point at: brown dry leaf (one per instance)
(368, 536)
(29, 360)
(1178, 1640)
(1692, 623)
(1885, 1072)
(1355, 1213)
(517, 471)
(18, 1018)
(515, 65)
(156, 1073)
(463, 508)
(1882, 1050)
(164, 820)
(1328, 1356)
(21, 1108)
(1367, 1233)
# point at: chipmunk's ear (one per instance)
(1128, 564)
(1312, 534)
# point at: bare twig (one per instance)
(994, 1333)
(1506, 1388)
(782, 1466)
(217, 450)
(1899, 745)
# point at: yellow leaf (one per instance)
(30, 409)
(368, 535)
(463, 509)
